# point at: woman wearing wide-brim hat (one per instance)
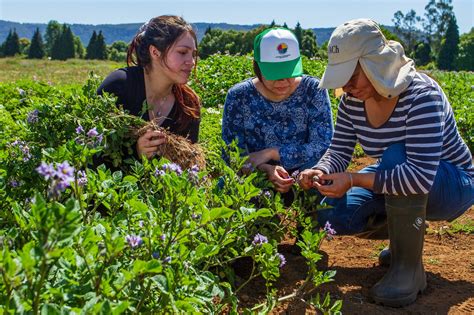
(424, 171)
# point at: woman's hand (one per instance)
(148, 143)
(278, 176)
(306, 178)
(263, 156)
(339, 185)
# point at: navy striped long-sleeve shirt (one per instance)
(422, 119)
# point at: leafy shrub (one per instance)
(79, 238)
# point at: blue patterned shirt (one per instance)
(300, 126)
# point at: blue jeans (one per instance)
(450, 196)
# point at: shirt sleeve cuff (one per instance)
(379, 182)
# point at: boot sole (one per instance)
(400, 302)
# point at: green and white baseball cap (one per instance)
(277, 53)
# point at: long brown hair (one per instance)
(257, 71)
(162, 32)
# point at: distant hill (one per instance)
(125, 32)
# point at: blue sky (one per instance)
(310, 13)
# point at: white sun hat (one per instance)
(384, 62)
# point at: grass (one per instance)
(72, 71)
(462, 225)
(378, 248)
(433, 261)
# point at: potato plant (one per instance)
(85, 230)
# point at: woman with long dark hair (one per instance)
(160, 59)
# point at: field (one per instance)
(147, 238)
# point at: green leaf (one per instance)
(220, 213)
(130, 179)
(162, 283)
(261, 213)
(153, 266)
(50, 309)
(121, 308)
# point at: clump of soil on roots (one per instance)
(177, 149)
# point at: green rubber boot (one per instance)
(406, 228)
(385, 257)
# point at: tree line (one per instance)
(241, 43)
(60, 43)
(433, 41)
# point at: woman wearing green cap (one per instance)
(424, 171)
(280, 118)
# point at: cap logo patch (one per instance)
(282, 48)
(333, 49)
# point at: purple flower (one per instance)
(46, 170)
(141, 223)
(23, 147)
(295, 174)
(16, 143)
(193, 173)
(58, 187)
(94, 138)
(159, 172)
(167, 260)
(81, 178)
(248, 166)
(266, 193)
(92, 133)
(100, 137)
(65, 172)
(259, 239)
(134, 241)
(79, 129)
(282, 260)
(328, 229)
(172, 167)
(26, 153)
(14, 183)
(21, 91)
(163, 237)
(60, 178)
(155, 255)
(32, 117)
(195, 216)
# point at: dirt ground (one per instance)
(448, 260)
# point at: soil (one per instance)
(448, 260)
